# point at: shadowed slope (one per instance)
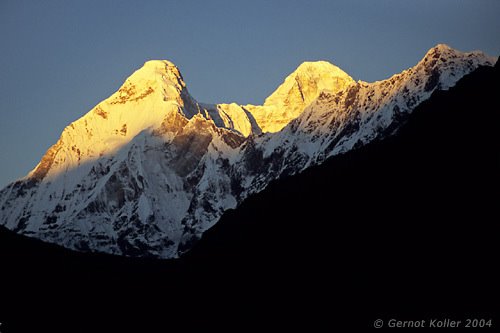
(375, 233)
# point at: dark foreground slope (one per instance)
(404, 227)
(399, 229)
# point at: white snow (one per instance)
(150, 164)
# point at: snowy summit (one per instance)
(149, 169)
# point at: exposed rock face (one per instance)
(149, 169)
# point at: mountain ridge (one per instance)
(148, 170)
(367, 243)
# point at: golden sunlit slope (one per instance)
(291, 98)
(149, 169)
(156, 94)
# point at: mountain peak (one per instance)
(441, 50)
(316, 66)
(159, 63)
(443, 47)
(159, 66)
(445, 51)
(442, 62)
(163, 80)
(307, 82)
(298, 90)
(154, 70)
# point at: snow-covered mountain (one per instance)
(149, 169)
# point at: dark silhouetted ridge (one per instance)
(401, 228)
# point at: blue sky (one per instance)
(60, 58)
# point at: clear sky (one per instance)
(60, 58)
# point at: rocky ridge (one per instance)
(149, 169)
